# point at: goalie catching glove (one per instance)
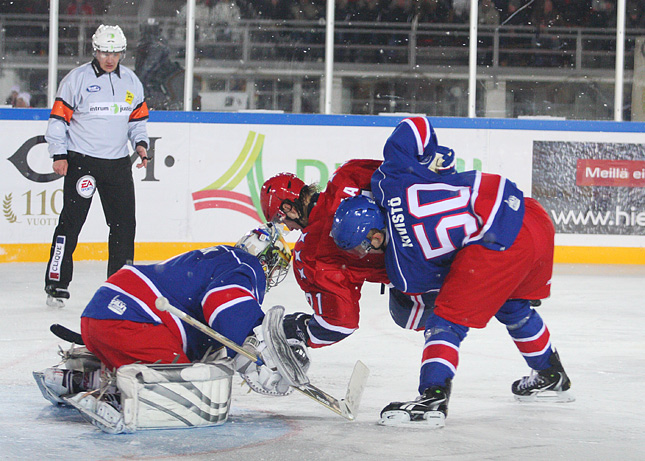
(279, 372)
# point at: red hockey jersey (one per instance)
(331, 278)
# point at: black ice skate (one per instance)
(551, 384)
(55, 296)
(429, 409)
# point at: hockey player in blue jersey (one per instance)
(222, 286)
(474, 237)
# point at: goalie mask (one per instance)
(266, 244)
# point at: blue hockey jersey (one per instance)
(221, 286)
(431, 216)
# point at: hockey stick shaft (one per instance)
(163, 305)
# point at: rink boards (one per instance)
(202, 187)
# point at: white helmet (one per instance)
(266, 244)
(109, 39)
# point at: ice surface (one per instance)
(595, 316)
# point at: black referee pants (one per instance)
(113, 181)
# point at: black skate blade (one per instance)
(67, 334)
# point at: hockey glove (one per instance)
(295, 327)
(263, 379)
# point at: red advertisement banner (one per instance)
(612, 173)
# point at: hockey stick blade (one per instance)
(67, 334)
(348, 407)
(326, 400)
(355, 388)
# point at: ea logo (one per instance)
(86, 186)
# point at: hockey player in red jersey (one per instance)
(475, 237)
(330, 278)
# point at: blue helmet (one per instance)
(354, 219)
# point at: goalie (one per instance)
(121, 327)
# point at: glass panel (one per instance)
(406, 57)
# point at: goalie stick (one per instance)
(345, 407)
(163, 305)
(66, 334)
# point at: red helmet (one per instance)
(275, 190)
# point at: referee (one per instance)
(99, 110)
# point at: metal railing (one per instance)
(280, 51)
(253, 43)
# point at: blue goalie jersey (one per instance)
(221, 286)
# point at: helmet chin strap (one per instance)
(383, 243)
(303, 216)
(298, 220)
(312, 203)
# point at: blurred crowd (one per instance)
(573, 13)
(217, 33)
(68, 7)
(18, 98)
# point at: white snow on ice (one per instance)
(595, 316)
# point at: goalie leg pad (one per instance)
(161, 397)
(175, 396)
(104, 414)
(50, 394)
(79, 370)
